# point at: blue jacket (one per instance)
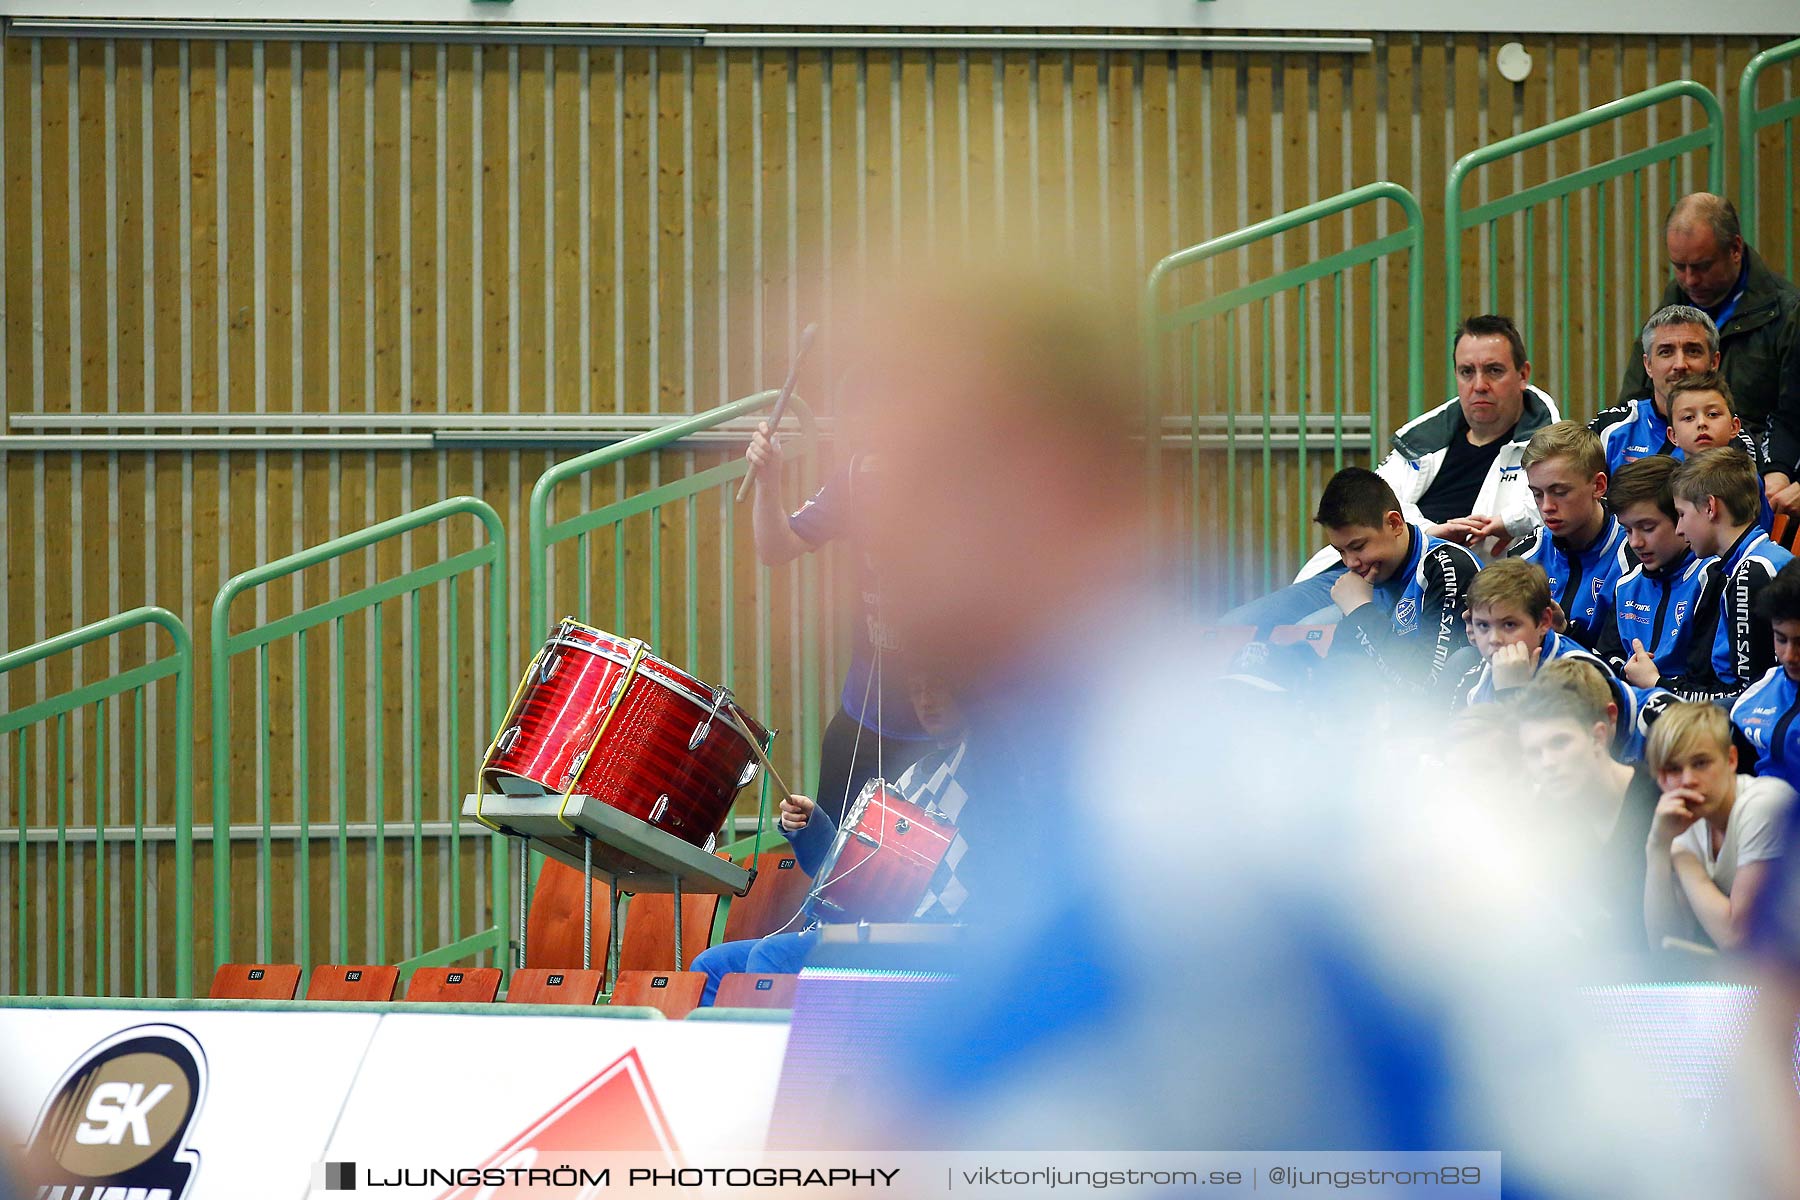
(1638, 707)
(1731, 646)
(1743, 644)
(1580, 580)
(1632, 430)
(1661, 609)
(1415, 622)
(1764, 717)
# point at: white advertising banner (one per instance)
(447, 1093)
(196, 1105)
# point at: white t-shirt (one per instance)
(1752, 831)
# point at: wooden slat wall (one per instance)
(244, 227)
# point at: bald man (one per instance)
(1757, 313)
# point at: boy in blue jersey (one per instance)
(1656, 604)
(1510, 623)
(1763, 716)
(1702, 414)
(1402, 594)
(1581, 547)
(1716, 494)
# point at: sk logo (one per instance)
(118, 1120)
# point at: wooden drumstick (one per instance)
(787, 389)
(756, 749)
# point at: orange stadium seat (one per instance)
(675, 993)
(740, 990)
(333, 981)
(457, 985)
(256, 981)
(773, 899)
(1316, 636)
(539, 985)
(649, 940)
(553, 926)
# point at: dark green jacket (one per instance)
(1761, 349)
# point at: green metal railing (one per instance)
(1625, 236)
(145, 787)
(629, 567)
(319, 684)
(1200, 377)
(1752, 120)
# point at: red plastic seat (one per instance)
(539, 985)
(773, 899)
(336, 981)
(740, 990)
(675, 993)
(457, 985)
(256, 981)
(648, 943)
(553, 926)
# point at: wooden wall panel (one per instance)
(341, 229)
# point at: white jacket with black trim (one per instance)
(1419, 449)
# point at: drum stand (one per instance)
(603, 842)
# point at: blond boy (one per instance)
(1715, 833)
(1580, 546)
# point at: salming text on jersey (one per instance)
(1742, 645)
(1415, 622)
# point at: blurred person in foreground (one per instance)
(1600, 807)
(1211, 927)
(875, 728)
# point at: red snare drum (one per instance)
(669, 749)
(883, 859)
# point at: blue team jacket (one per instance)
(1742, 645)
(1764, 714)
(1580, 580)
(1416, 621)
(1658, 609)
(1631, 431)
